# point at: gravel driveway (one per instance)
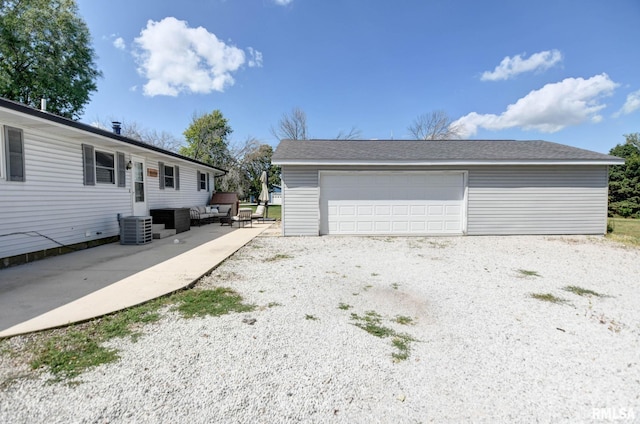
(481, 348)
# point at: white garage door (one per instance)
(392, 203)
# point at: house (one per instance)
(443, 187)
(275, 195)
(64, 183)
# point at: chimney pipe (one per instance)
(43, 105)
(115, 125)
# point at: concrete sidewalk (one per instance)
(163, 268)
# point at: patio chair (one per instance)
(259, 213)
(244, 216)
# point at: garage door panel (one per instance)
(392, 203)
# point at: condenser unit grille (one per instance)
(136, 230)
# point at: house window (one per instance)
(202, 181)
(168, 176)
(105, 168)
(14, 153)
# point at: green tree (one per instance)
(46, 53)
(624, 180)
(207, 140)
(254, 162)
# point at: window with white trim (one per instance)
(102, 167)
(14, 154)
(105, 168)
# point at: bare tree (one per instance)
(435, 125)
(353, 134)
(134, 130)
(292, 126)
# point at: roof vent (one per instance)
(116, 126)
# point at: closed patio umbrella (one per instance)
(264, 192)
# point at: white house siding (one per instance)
(54, 202)
(564, 199)
(300, 207)
(188, 194)
(537, 200)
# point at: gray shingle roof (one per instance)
(364, 151)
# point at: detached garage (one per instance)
(443, 187)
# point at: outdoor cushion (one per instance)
(224, 209)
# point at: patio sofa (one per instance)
(211, 213)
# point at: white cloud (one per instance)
(282, 2)
(119, 44)
(255, 58)
(175, 59)
(512, 66)
(631, 105)
(553, 107)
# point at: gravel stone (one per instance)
(484, 349)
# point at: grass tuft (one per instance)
(310, 317)
(216, 302)
(344, 306)
(403, 319)
(528, 273)
(278, 257)
(547, 297)
(582, 292)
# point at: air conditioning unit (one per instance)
(136, 230)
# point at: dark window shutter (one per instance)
(177, 178)
(198, 179)
(88, 165)
(161, 174)
(208, 182)
(15, 154)
(122, 176)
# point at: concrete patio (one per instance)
(86, 284)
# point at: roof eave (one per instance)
(298, 162)
(71, 125)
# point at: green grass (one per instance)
(547, 297)
(68, 352)
(624, 230)
(371, 322)
(582, 292)
(274, 211)
(310, 317)
(527, 273)
(216, 302)
(403, 319)
(344, 306)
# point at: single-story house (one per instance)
(443, 187)
(66, 183)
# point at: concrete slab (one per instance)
(108, 278)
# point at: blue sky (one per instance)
(559, 70)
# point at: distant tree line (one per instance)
(624, 180)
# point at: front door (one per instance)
(138, 187)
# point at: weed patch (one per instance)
(310, 317)
(278, 257)
(344, 306)
(582, 292)
(371, 322)
(527, 273)
(68, 352)
(216, 302)
(547, 297)
(403, 319)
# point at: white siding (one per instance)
(187, 196)
(537, 200)
(53, 203)
(501, 199)
(300, 207)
